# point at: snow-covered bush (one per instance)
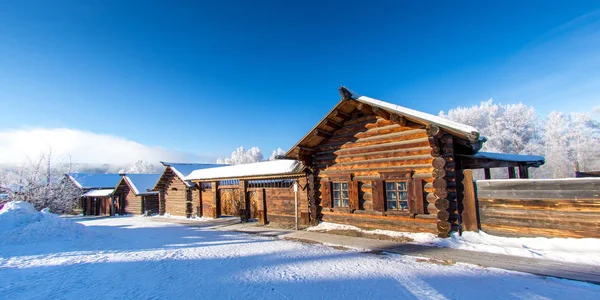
(20, 222)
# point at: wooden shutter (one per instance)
(325, 193)
(353, 195)
(378, 195)
(415, 198)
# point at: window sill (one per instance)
(341, 209)
(405, 213)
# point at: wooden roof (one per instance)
(468, 136)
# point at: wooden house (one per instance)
(135, 195)
(176, 194)
(96, 192)
(374, 164)
(262, 191)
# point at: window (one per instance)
(396, 195)
(340, 194)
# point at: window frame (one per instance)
(334, 201)
(397, 193)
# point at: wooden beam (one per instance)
(381, 112)
(341, 114)
(333, 124)
(398, 119)
(512, 173)
(433, 130)
(488, 173)
(523, 172)
(321, 133)
(469, 212)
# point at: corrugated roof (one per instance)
(95, 180)
(142, 183)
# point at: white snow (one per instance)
(192, 218)
(417, 115)
(583, 251)
(99, 193)
(136, 258)
(265, 168)
(21, 223)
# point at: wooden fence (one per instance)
(547, 207)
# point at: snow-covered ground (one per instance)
(583, 251)
(137, 258)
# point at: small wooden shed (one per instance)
(96, 192)
(135, 195)
(378, 165)
(263, 190)
(176, 195)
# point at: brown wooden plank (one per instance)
(326, 193)
(353, 200)
(378, 195)
(469, 212)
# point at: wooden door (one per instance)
(228, 199)
(254, 205)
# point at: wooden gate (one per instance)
(228, 198)
(254, 204)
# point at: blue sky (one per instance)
(199, 79)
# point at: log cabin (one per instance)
(263, 191)
(176, 195)
(96, 191)
(378, 165)
(134, 194)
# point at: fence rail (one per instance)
(553, 207)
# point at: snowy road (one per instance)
(136, 258)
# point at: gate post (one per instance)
(245, 213)
(216, 209)
(469, 212)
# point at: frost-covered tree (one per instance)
(512, 128)
(242, 156)
(276, 153)
(564, 140)
(139, 167)
(40, 181)
(570, 140)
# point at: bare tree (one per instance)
(42, 182)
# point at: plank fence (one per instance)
(547, 207)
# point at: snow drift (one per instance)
(583, 251)
(20, 222)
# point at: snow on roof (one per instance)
(95, 180)
(184, 169)
(510, 157)
(418, 115)
(142, 183)
(259, 169)
(99, 193)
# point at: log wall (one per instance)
(177, 197)
(366, 148)
(547, 208)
